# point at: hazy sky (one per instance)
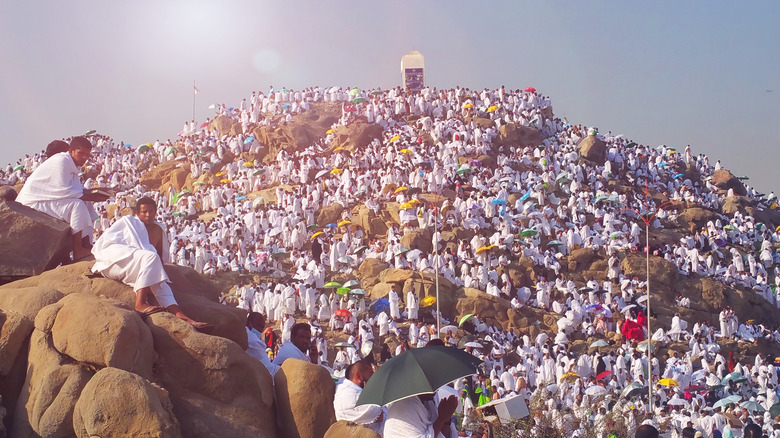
(671, 73)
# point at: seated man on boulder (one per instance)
(54, 188)
(132, 251)
(298, 346)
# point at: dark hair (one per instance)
(434, 342)
(80, 143)
(145, 201)
(298, 327)
(56, 147)
(255, 317)
(646, 431)
(752, 430)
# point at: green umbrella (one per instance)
(528, 233)
(359, 100)
(90, 132)
(775, 410)
(417, 371)
(632, 389)
(342, 290)
(465, 318)
(332, 284)
(143, 148)
(463, 170)
(19, 167)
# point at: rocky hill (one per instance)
(75, 359)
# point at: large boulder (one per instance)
(733, 204)
(356, 135)
(420, 238)
(215, 387)
(593, 149)
(488, 308)
(369, 270)
(304, 397)
(114, 337)
(153, 179)
(724, 180)
(329, 214)
(348, 429)
(119, 403)
(7, 193)
(697, 217)
(14, 330)
(31, 241)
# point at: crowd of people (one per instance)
(532, 201)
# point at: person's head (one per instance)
(56, 147)
(146, 210)
(359, 373)
(752, 430)
(434, 342)
(255, 320)
(80, 150)
(300, 336)
(646, 431)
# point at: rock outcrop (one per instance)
(31, 241)
(304, 397)
(592, 149)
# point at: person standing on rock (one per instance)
(132, 251)
(54, 188)
(412, 305)
(393, 298)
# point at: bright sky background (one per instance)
(671, 73)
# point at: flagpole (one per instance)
(194, 92)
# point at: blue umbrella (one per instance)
(249, 139)
(241, 198)
(524, 197)
(380, 305)
(498, 202)
(286, 105)
(679, 175)
(331, 225)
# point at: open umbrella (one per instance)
(332, 284)
(359, 100)
(498, 202)
(344, 222)
(351, 283)
(343, 290)
(596, 390)
(19, 167)
(603, 374)
(643, 346)
(316, 235)
(143, 148)
(668, 382)
(774, 410)
(417, 371)
(632, 389)
(735, 376)
(275, 232)
(400, 189)
(492, 108)
(599, 343)
(359, 248)
(279, 255)
(320, 173)
(570, 377)
(752, 406)
(528, 232)
(465, 318)
(427, 301)
(405, 151)
(379, 305)
(722, 403)
(473, 344)
(554, 243)
(346, 259)
(336, 171)
(394, 138)
(344, 313)
(406, 206)
(357, 292)
(463, 170)
(482, 249)
(531, 89)
(448, 328)
(344, 345)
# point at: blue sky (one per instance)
(671, 73)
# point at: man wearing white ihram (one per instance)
(54, 188)
(132, 251)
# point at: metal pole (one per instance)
(649, 345)
(437, 258)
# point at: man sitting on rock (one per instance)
(54, 188)
(132, 251)
(347, 393)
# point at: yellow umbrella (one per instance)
(344, 222)
(335, 171)
(401, 189)
(248, 164)
(405, 151)
(484, 248)
(225, 180)
(220, 173)
(338, 149)
(570, 377)
(316, 235)
(492, 108)
(468, 105)
(668, 382)
(427, 301)
(414, 201)
(329, 131)
(406, 206)
(395, 138)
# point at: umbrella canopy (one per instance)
(401, 189)
(336, 171)
(279, 255)
(596, 390)
(332, 284)
(498, 202)
(344, 345)
(570, 377)
(417, 371)
(405, 151)
(343, 290)
(351, 283)
(752, 406)
(722, 403)
(530, 89)
(599, 343)
(321, 172)
(380, 305)
(358, 292)
(275, 232)
(554, 243)
(774, 410)
(482, 249)
(316, 235)
(427, 301)
(668, 382)
(528, 232)
(343, 313)
(465, 318)
(492, 108)
(394, 138)
(603, 374)
(19, 167)
(463, 170)
(448, 328)
(344, 222)
(359, 248)
(143, 148)
(677, 402)
(473, 344)
(359, 100)
(736, 377)
(643, 346)
(632, 389)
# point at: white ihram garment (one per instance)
(123, 253)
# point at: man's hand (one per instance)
(447, 406)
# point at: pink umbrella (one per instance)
(531, 90)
